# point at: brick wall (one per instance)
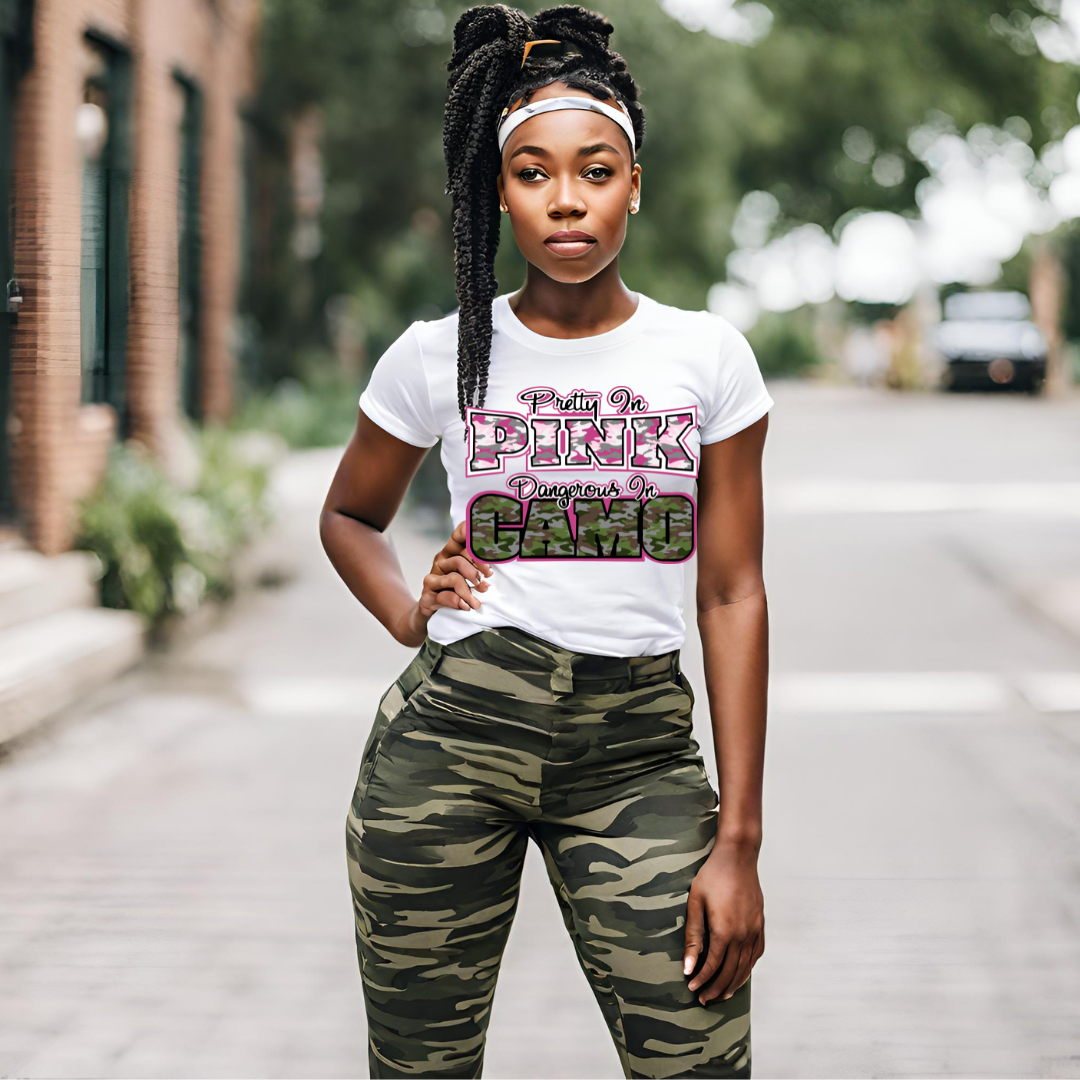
(59, 444)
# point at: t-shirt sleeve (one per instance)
(397, 397)
(740, 395)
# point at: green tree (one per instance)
(722, 119)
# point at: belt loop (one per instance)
(435, 655)
(429, 657)
(562, 678)
(676, 670)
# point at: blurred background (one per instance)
(222, 211)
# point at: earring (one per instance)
(633, 208)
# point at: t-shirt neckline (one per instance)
(512, 326)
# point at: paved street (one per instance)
(173, 892)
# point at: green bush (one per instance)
(165, 548)
(318, 411)
(784, 343)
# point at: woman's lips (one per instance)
(569, 247)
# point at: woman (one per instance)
(594, 440)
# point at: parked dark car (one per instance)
(987, 339)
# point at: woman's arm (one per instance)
(368, 487)
(734, 625)
(733, 620)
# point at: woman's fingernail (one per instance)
(687, 965)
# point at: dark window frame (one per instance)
(109, 382)
(189, 266)
(16, 58)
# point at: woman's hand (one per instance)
(447, 585)
(725, 897)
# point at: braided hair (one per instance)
(485, 76)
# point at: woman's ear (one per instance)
(502, 200)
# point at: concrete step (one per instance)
(33, 585)
(50, 661)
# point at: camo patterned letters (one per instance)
(629, 518)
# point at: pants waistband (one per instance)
(568, 671)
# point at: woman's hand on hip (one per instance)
(449, 584)
(726, 901)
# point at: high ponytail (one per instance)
(485, 77)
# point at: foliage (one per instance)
(165, 548)
(772, 116)
(385, 234)
(784, 344)
(316, 411)
(884, 68)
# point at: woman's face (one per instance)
(568, 170)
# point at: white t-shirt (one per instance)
(578, 477)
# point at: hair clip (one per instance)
(536, 41)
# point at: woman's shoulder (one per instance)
(437, 337)
(434, 326)
(709, 328)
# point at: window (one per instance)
(10, 64)
(190, 262)
(104, 140)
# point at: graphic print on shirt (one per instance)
(529, 514)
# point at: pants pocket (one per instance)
(391, 706)
(684, 682)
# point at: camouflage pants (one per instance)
(479, 746)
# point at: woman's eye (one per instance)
(525, 174)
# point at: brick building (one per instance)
(123, 136)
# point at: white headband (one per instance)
(524, 112)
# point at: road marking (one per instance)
(1047, 499)
(1051, 691)
(890, 691)
(837, 692)
(312, 695)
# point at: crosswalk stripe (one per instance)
(1051, 691)
(789, 692)
(1046, 499)
(890, 691)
